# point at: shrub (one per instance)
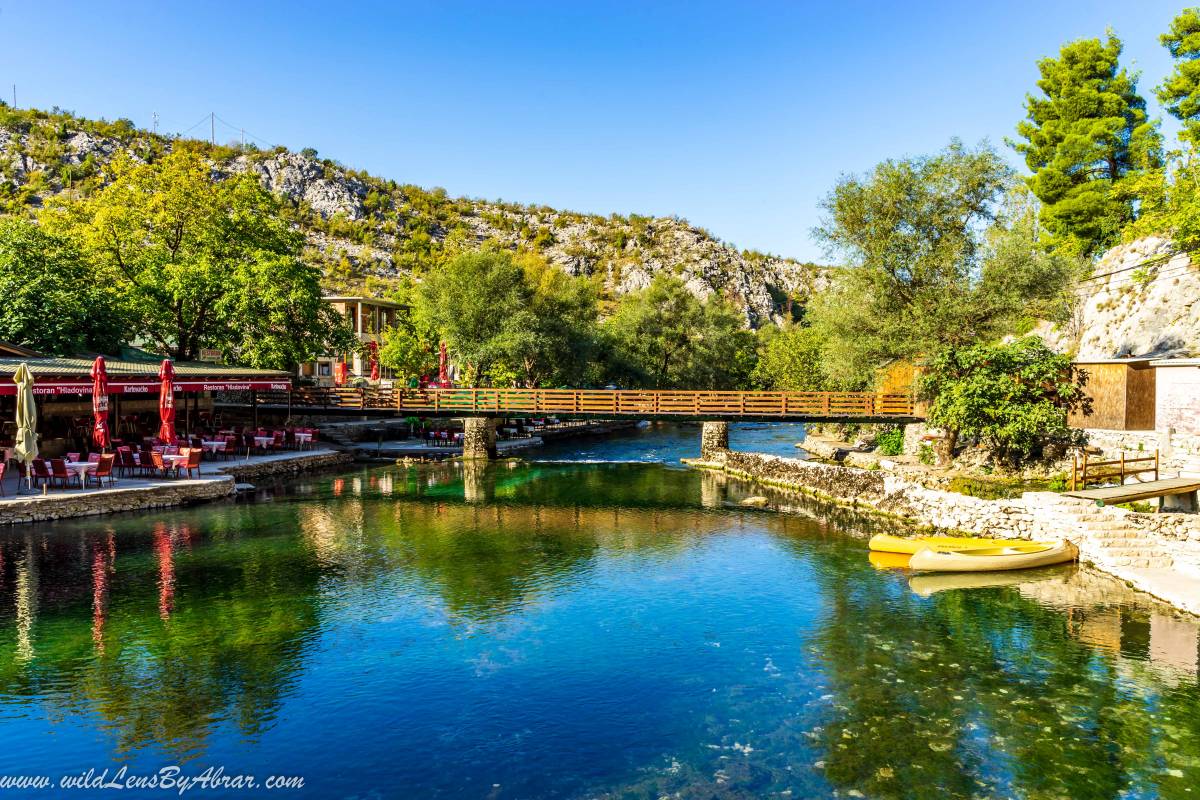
(891, 442)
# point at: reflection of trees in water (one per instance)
(159, 642)
(985, 692)
(488, 561)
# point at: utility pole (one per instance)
(14, 95)
(156, 123)
(212, 128)
(243, 138)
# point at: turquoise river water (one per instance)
(608, 629)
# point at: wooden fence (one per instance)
(632, 402)
(1085, 471)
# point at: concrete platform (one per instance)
(216, 480)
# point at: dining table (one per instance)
(213, 446)
(175, 460)
(81, 468)
(263, 441)
(302, 439)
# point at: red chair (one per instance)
(72, 456)
(41, 473)
(58, 469)
(193, 462)
(94, 458)
(126, 462)
(103, 470)
(161, 466)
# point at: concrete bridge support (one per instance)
(479, 439)
(714, 440)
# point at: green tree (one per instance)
(556, 337)
(52, 301)
(195, 255)
(912, 237)
(790, 359)
(1013, 397)
(1083, 136)
(1180, 92)
(663, 337)
(476, 302)
(410, 346)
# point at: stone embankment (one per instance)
(1157, 553)
(142, 495)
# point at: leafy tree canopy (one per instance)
(939, 254)
(790, 359)
(1012, 397)
(1180, 92)
(1084, 135)
(663, 337)
(203, 262)
(51, 301)
(477, 303)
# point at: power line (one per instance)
(1096, 288)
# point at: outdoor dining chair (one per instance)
(193, 461)
(41, 473)
(102, 471)
(59, 472)
(161, 466)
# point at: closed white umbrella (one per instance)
(25, 450)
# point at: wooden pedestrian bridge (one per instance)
(701, 405)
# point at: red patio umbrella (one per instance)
(166, 401)
(443, 366)
(373, 348)
(100, 437)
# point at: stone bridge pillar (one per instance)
(479, 438)
(714, 440)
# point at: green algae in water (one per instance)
(563, 631)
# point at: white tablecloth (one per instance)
(213, 447)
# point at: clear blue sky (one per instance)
(738, 116)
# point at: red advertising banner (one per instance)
(116, 387)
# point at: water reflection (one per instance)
(628, 629)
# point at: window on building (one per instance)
(324, 369)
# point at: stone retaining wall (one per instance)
(244, 473)
(41, 508)
(1149, 550)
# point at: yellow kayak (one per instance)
(1014, 555)
(884, 543)
(881, 559)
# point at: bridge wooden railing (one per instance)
(633, 402)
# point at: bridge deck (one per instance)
(1138, 491)
(598, 403)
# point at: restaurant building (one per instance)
(63, 388)
(369, 317)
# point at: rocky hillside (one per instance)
(367, 232)
(1143, 299)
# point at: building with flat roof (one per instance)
(368, 318)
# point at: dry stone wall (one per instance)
(1157, 553)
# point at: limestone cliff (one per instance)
(367, 232)
(1143, 298)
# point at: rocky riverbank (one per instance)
(1156, 553)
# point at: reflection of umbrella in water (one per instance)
(927, 584)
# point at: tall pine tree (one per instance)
(1180, 92)
(1085, 136)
